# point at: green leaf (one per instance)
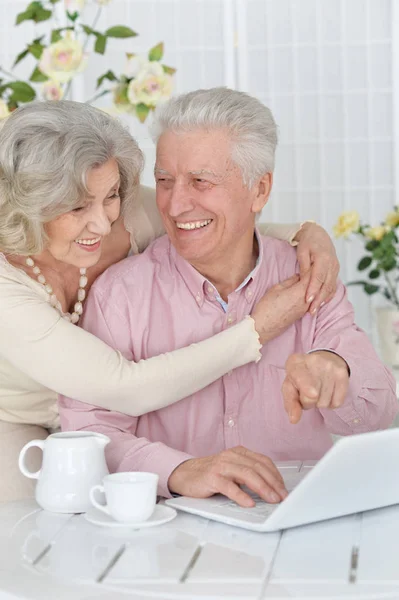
(388, 263)
(370, 289)
(89, 30)
(20, 57)
(142, 111)
(36, 49)
(72, 16)
(120, 31)
(42, 15)
(168, 70)
(54, 1)
(109, 75)
(101, 43)
(156, 53)
(364, 263)
(37, 76)
(34, 12)
(56, 36)
(374, 274)
(22, 92)
(372, 245)
(24, 16)
(379, 253)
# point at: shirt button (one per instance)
(231, 423)
(198, 298)
(356, 421)
(210, 290)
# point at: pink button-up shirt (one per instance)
(157, 302)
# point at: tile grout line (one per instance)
(111, 564)
(191, 564)
(268, 577)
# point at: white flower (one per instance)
(51, 90)
(72, 5)
(63, 59)
(4, 112)
(151, 85)
(134, 65)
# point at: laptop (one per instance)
(358, 473)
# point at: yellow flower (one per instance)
(63, 59)
(347, 223)
(4, 112)
(392, 219)
(103, 2)
(51, 90)
(376, 233)
(151, 86)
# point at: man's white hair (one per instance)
(248, 122)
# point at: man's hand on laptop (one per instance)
(281, 306)
(223, 473)
(316, 380)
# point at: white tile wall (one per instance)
(325, 67)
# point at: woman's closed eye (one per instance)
(114, 196)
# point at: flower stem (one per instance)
(103, 93)
(391, 290)
(7, 73)
(95, 21)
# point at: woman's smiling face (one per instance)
(76, 237)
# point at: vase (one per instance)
(388, 332)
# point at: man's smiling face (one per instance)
(204, 204)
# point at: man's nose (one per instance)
(99, 223)
(181, 200)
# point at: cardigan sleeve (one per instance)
(281, 231)
(73, 362)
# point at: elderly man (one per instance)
(214, 165)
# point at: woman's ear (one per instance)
(262, 191)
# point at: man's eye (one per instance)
(78, 209)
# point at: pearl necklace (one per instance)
(78, 308)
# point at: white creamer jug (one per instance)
(73, 462)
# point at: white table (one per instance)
(63, 557)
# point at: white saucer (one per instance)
(162, 514)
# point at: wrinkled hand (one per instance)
(319, 379)
(223, 473)
(316, 252)
(281, 306)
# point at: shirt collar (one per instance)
(200, 286)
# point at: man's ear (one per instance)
(262, 191)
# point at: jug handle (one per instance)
(21, 459)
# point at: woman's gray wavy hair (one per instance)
(46, 152)
(249, 123)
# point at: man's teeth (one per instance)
(193, 224)
(88, 242)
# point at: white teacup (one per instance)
(130, 497)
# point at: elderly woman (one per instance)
(70, 207)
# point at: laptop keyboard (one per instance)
(262, 509)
